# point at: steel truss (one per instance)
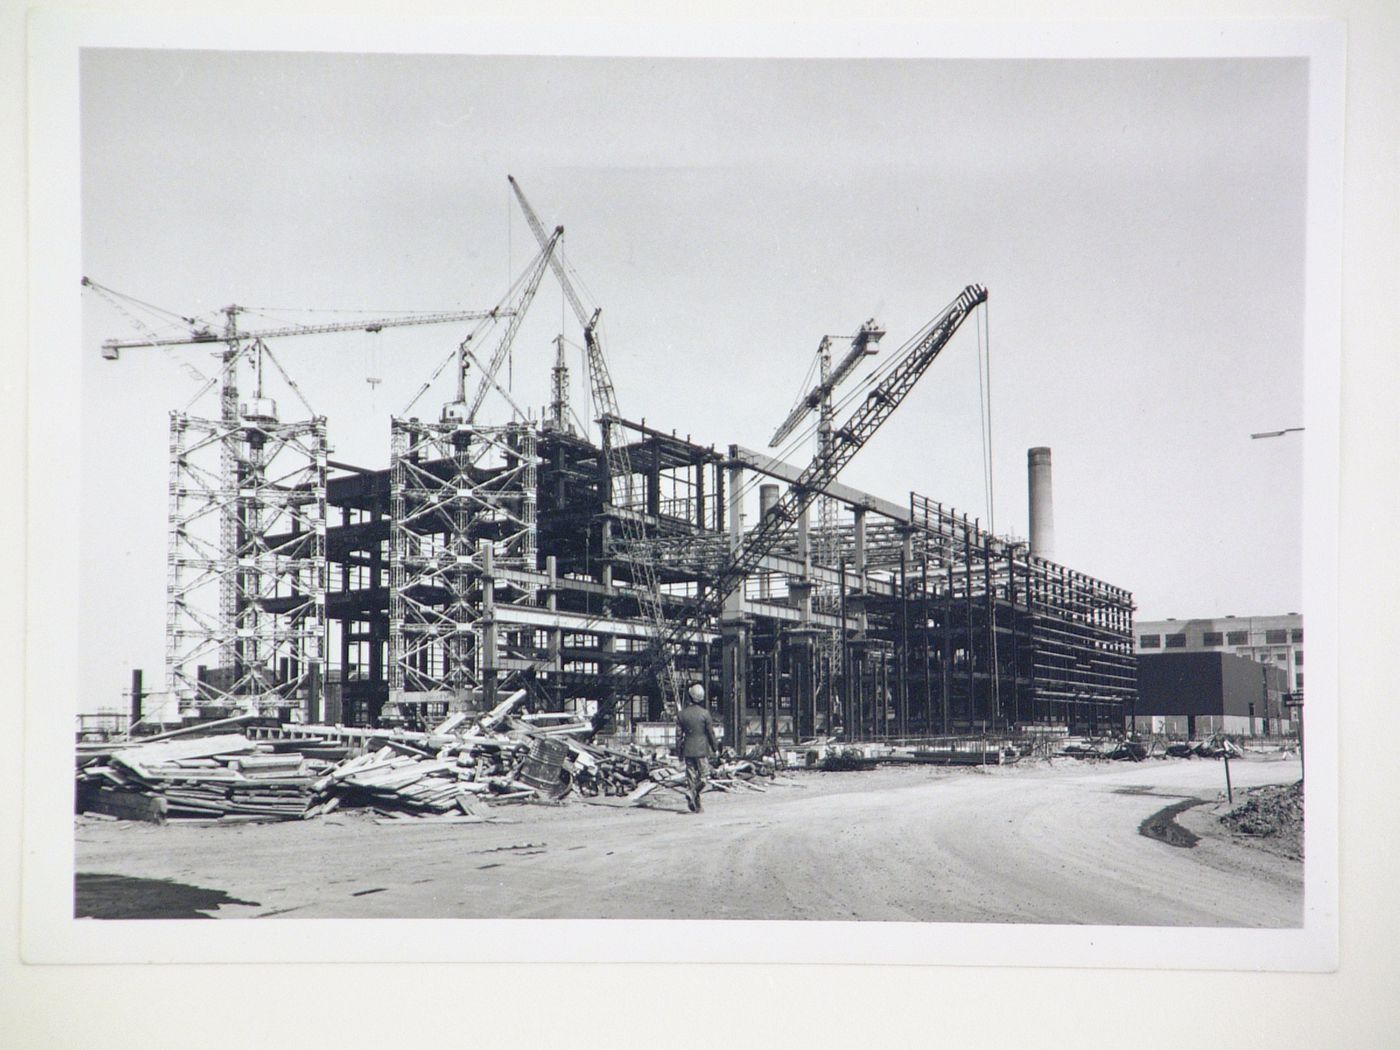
(462, 501)
(246, 597)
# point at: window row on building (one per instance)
(1215, 639)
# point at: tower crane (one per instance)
(644, 577)
(863, 344)
(819, 399)
(234, 338)
(846, 441)
(234, 517)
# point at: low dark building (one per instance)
(1195, 694)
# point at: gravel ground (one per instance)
(1054, 842)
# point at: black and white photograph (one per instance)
(867, 508)
(498, 472)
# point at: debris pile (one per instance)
(1115, 748)
(456, 769)
(846, 759)
(1216, 747)
(1274, 812)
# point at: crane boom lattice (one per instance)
(632, 549)
(847, 440)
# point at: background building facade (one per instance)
(1196, 695)
(1273, 640)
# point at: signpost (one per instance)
(1295, 700)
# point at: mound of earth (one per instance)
(1273, 813)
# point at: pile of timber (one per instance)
(729, 773)
(211, 777)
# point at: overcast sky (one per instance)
(1139, 226)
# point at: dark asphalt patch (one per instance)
(1163, 827)
(101, 896)
(1147, 791)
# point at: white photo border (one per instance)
(50, 934)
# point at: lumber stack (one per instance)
(204, 777)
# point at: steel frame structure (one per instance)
(246, 593)
(935, 606)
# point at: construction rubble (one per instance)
(470, 764)
(462, 768)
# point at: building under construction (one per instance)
(603, 571)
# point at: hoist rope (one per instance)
(984, 386)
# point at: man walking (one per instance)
(696, 743)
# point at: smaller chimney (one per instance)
(767, 500)
(1041, 502)
(137, 695)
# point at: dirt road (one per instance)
(1041, 844)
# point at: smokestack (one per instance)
(767, 500)
(137, 695)
(1042, 503)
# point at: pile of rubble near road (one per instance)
(460, 769)
(1115, 748)
(1215, 747)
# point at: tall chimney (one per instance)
(1042, 503)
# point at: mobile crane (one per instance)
(845, 441)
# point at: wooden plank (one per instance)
(450, 723)
(173, 750)
(203, 727)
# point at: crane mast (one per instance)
(559, 387)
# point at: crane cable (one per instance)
(112, 295)
(984, 404)
(984, 390)
(481, 326)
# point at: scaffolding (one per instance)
(245, 610)
(462, 506)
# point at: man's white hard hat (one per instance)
(697, 692)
